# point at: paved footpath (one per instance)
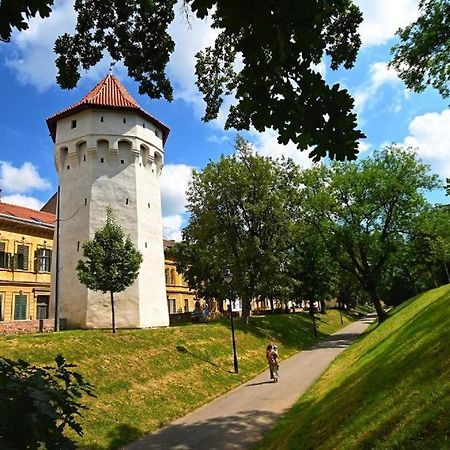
(238, 419)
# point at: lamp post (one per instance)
(228, 277)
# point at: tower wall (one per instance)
(109, 157)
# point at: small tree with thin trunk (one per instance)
(112, 262)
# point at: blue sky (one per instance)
(387, 112)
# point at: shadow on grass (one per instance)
(182, 349)
(121, 435)
(238, 431)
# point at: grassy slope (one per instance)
(145, 378)
(390, 390)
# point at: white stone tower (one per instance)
(109, 151)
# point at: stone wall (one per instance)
(26, 326)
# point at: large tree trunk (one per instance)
(382, 316)
(323, 307)
(112, 312)
(246, 309)
(271, 304)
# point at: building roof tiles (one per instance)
(20, 212)
(108, 93)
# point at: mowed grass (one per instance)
(389, 390)
(144, 379)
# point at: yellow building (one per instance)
(26, 239)
(180, 298)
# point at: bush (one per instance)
(37, 403)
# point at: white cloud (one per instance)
(430, 133)
(21, 179)
(266, 144)
(379, 75)
(174, 183)
(23, 200)
(172, 226)
(189, 39)
(364, 146)
(216, 139)
(382, 18)
(34, 58)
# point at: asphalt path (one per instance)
(238, 419)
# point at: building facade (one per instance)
(109, 152)
(180, 299)
(26, 250)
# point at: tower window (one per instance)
(148, 204)
(122, 161)
(78, 246)
(84, 157)
(68, 167)
(126, 202)
(146, 245)
(101, 119)
(102, 160)
(85, 201)
(73, 124)
(156, 132)
(124, 120)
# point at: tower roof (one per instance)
(109, 93)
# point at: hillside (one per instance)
(146, 378)
(390, 390)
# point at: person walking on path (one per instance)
(272, 359)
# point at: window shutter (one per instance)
(22, 257)
(20, 307)
(36, 261)
(3, 258)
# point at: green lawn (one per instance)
(390, 390)
(146, 378)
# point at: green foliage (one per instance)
(423, 55)
(277, 85)
(363, 211)
(15, 13)
(266, 56)
(389, 390)
(312, 268)
(38, 403)
(241, 216)
(132, 31)
(112, 260)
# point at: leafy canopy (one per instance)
(364, 210)
(241, 215)
(112, 262)
(38, 403)
(422, 57)
(265, 56)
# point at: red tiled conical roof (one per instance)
(109, 93)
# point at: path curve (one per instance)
(238, 419)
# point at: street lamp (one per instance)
(228, 278)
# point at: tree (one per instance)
(364, 210)
(311, 267)
(37, 404)
(422, 57)
(241, 214)
(112, 261)
(266, 56)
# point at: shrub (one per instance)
(37, 403)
